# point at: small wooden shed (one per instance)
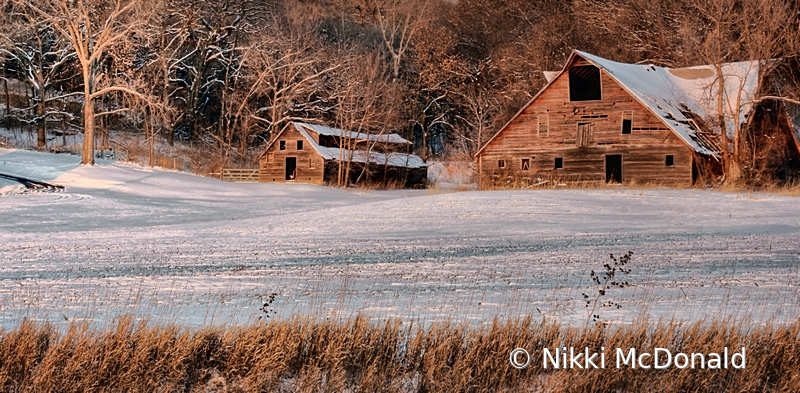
(311, 153)
(598, 120)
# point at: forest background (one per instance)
(217, 80)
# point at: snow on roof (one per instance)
(334, 153)
(386, 138)
(550, 75)
(680, 96)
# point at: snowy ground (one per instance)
(174, 247)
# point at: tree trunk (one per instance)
(41, 124)
(721, 116)
(396, 67)
(8, 103)
(87, 156)
(151, 132)
(424, 145)
(194, 96)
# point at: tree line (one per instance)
(446, 74)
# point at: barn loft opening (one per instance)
(584, 83)
(299, 145)
(627, 122)
(670, 161)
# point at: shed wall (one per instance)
(310, 165)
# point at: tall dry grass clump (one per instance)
(357, 355)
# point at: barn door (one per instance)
(614, 168)
(585, 137)
(291, 168)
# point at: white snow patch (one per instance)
(453, 175)
(8, 187)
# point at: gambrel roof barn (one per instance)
(600, 120)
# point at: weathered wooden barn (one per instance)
(598, 120)
(310, 153)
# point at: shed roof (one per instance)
(395, 159)
(383, 138)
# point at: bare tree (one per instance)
(167, 38)
(93, 28)
(291, 74)
(754, 30)
(398, 22)
(769, 32)
(366, 105)
(718, 48)
(246, 83)
(41, 59)
(480, 108)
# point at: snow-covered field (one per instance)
(175, 247)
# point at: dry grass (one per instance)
(552, 183)
(201, 160)
(357, 355)
(791, 189)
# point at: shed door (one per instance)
(614, 168)
(291, 168)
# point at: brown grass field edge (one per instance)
(361, 355)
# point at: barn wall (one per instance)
(644, 149)
(642, 164)
(272, 166)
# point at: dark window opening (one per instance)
(670, 160)
(627, 122)
(299, 145)
(559, 163)
(283, 145)
(526, 164)
(501, 163)
(584, 83)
